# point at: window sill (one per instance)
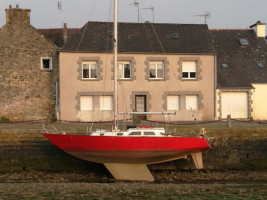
(90, 79)
(47, 70)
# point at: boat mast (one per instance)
(115, 63)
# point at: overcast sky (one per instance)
(225, 14)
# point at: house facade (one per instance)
(28, 69)
(162, 67)
(241, 73)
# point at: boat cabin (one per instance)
(133, 132)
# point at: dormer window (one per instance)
(225, 66)
(243, 42)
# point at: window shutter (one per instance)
(189, 66)
(191, 102)
(172, 102)
(86, 102)
(106, 103)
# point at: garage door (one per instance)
(235, 104)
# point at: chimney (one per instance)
(259, 29)
(65, 33)
(17, 15)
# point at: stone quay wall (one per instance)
(232, 149)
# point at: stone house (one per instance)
(28, 68)
(241, 73)
(162, 67)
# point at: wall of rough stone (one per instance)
(26, 148)
(27, 92)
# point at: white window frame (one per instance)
(121, 69)
(86, 103)
(90, 65)
(191, 102)
(173, 102)
(189, 68)
(157, 64)
(50, 63)
(106, 103)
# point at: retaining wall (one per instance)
(238, 149)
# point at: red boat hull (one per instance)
(135, 150)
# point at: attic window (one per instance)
(175, 36)
(225, 66)
(243, 42)
(260, 65)
(110, 33)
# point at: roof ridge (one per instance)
(57, 28)
(148, 23)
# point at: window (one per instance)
(156, 70)
(89, 70)
(225, 66)
(191, 102)
(175, 36)
(243, 42)
(260, 65)
(124, 71)
(135, 133)
(106, 102)
(149, 133)
(189, 69)
(46, 63)
(86, 102)
(172, 102)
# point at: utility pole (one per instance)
(152, 9)
(136, 4)
(206, 15)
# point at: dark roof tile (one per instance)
(241, 59)
(56, 35)
(142, 38)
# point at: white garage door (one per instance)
(235, 104)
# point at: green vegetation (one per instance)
(4, 119)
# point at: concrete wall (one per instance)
(27, 92)
(156, 91)
(236, 148)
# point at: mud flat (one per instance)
(169, 185)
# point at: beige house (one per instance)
(162, 67)
(241, 73)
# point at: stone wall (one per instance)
(27, 91)
(27, 148)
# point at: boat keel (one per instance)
(132, 172)
(197, 158)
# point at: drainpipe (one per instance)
(215, 86)
(57, 99)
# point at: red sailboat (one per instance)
(126, 154)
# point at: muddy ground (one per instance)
(168, 185)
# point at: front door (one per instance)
(140, 105)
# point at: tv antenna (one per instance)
(59, 7)
(152, 9)
(206, 15)
(136, 4)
